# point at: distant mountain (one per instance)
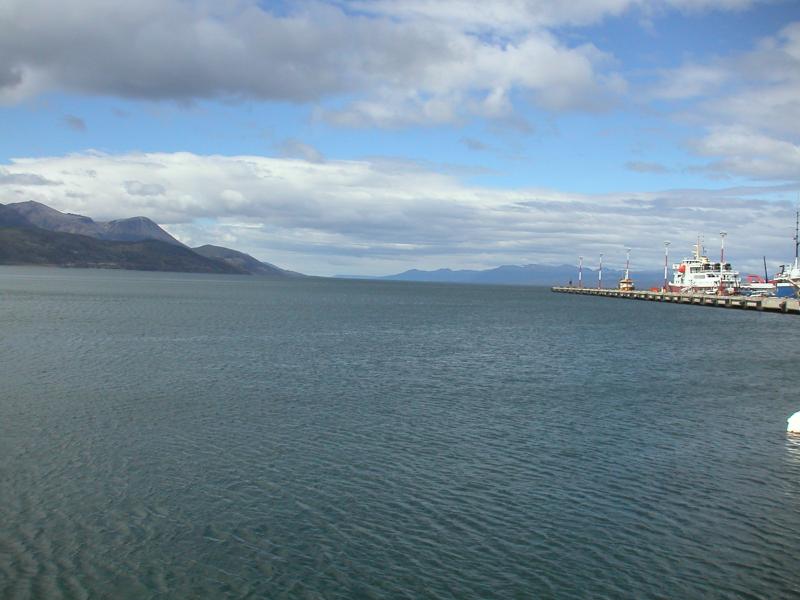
(243, 261)
(29, 245)
(523, 275)
(133, 229)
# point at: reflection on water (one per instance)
(793, 448)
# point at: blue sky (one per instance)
(368, 137)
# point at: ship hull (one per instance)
(699, 289)
(786, 290)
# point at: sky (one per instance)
(368, 137)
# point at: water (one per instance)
(176, 436)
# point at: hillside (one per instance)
(32, 233)
(133, 229)
(35, 246)
(242, 261)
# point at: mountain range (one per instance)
(523, 275)
(32, 233)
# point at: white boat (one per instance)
(698, 274)
(755, 285)
(787, 280)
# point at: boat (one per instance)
(626, 283)
(755, 285)
(787, 280)
(697, 274)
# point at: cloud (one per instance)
(75, 123)
(750, 153)
(293, 148)
(22, 179)
(396, 71)
(759, 88)
(645, 167)
(473, 144)
(381, 216)
(691, 81)
(748, 105)
(509, 16)
(137, 188)
(9, 76)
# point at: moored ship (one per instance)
(698, 274)
(787, 280)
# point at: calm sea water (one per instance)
(182, 436)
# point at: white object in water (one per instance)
(794, 423)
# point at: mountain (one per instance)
(28, 245)
(524, 275)
(11, 218)
(35, 234)
(122, 230)
(243, 261)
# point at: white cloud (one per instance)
(691, 81)
(749, 106)
(383, 216)
(510, 16)
(400, 71)
(750, 153)
(397, 62)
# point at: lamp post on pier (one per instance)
(721, 288)
(627, 263)
(666, 264)
(600, 274)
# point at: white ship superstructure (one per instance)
(787, 280)
(699, 274)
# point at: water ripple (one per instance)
(171, 438)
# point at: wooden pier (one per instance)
(760, 303)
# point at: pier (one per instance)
(759, 303)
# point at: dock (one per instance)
(759, 303)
